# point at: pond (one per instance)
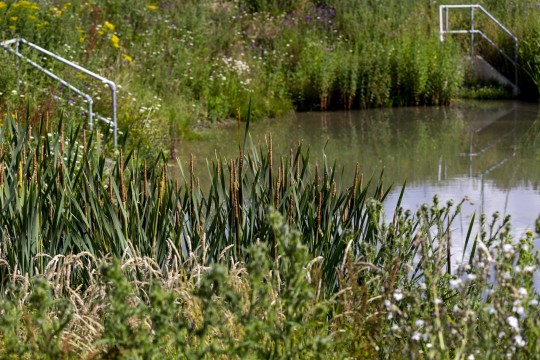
(486, 151)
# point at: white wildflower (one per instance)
(456, 283)
(419, 323)
(533, 302)
(508, 249)
(398, 295)
(470, 357)
(416, 336)
(519, 341)
(522, 292)
(513, 322)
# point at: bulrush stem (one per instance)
(318, 228)
(291, 204)
(278, 188)
(2, 167)
(34, 168)
(298, 170)
(19, 178)
(283, 178)
(240, 165)
(46, 122)
(162, 184)
(62, 141)
(237, 221)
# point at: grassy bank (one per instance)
(115, 259)
(182, 63)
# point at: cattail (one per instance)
(278, 188)
(19, 178)
(47, 122)
(283, 178)
(60, 173)
(62, 140)
(355, 181)
(290, 208)
(334, 190)
(231, 191)
(84, 139)
(298, 170)
(2, 166)
(316, 175)
(34, 170)
(270, 161)
(161, 184)
(319, 210)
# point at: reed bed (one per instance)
(61, 194)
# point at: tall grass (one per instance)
(181, 63)
(60, 195)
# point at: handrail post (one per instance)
(90, 112)
(472, 31)
(112, 86)
(18, 64)
(441, 29)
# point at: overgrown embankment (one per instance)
(181, 63)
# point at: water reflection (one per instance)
(487, 151)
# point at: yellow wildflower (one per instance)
(55, 11)
(2, 5)
(66, 6)
(109, 26)
(152, 7)
(127, 57)
(115, 40)
(13, 18)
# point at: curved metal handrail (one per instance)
(91, 115)
(444, 29)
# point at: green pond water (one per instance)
(488, 152)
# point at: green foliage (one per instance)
(181, 63)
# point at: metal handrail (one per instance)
(444, 29)
(112, 86)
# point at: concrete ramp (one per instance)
(481, 70)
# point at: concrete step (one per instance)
(481, 70)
